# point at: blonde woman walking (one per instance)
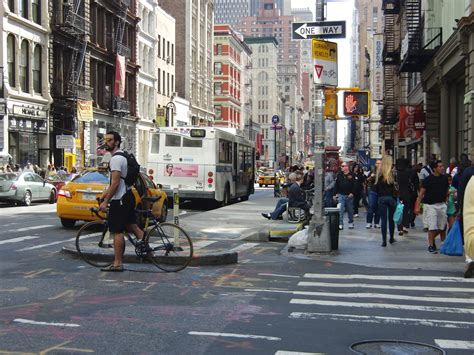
(387, 192)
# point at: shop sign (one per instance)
(18, 124)
(407, 122)
(420, 120)
(64, 142)
(377, 84)
(160, 117)
(84, 110)
(29, 111)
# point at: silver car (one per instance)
(24, 188)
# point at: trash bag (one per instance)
(299, 240)
(453, 244)
(398, 215)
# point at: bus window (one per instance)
(172, 141)
(192, 143)
(225, 151)
(155, 144)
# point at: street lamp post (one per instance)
(172, 106)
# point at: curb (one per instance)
(210, 259)
(272, 232)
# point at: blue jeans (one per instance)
(279, 208)
(347, 203)
(328, 200)
(387, 206)
(373, 210)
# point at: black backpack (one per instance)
(133, 168)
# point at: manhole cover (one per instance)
(394, 347)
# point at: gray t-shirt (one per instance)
(119, 163)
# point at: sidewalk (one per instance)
(219, 236)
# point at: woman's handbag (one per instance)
(453, 244)
(398, 215)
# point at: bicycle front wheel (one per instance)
(94, 244)
(171, 247)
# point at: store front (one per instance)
(28, 134)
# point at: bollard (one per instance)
(176, 215)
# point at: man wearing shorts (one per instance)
(121, 214)
(434, 194)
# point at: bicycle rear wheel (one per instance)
(171, 247)
(94, 244)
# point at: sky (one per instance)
(340, 10)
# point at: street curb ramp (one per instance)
(225, 258)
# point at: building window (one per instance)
(219, 49)
(23, 8)
(218, 111)
(11, 5)
(36, 11)
(11, 62)
(217, 68)
(37, 69)
(24, 67)
(217, 88)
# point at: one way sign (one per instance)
(325, 29)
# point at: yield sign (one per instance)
(319, 70)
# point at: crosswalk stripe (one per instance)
(387, 277)
(384, 306)
(284, 352)
(54, 243)
(387, 287)
(454, 344)
(16, 240)
(202, 244)
(29, 228)
(383, 320)
(387, 296)
(235, 335)
(244, 246)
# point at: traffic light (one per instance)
(356, 103)
(330, 106)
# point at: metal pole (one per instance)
(275, 147)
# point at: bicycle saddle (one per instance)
(151, 198)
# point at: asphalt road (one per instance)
(266, 304)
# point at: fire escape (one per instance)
(391, 60)
(121, 106)
(78, 27)
(419, 43)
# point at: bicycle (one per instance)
(166, 245)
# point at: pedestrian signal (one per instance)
(356, 103)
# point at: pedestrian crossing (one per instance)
(444, 302)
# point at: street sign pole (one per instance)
(275, 120)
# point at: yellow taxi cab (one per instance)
(77, 197)
(267, 177)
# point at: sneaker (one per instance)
(376, 225)
(351, 225)
(425, 230)
(267, 215)
(432, 249)
(469, 273)
(400, 233)
(356, 215)
(341, 227)
(368, 226)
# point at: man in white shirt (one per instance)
(121, 214)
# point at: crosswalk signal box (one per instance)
(356, 103)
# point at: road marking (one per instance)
(16, 240)
(279, 275)
(30, 228)
(284, 352)
(383, 320)
(391, 278)
(384, 306)
(27, 321)
(14, 289)
(203, 243)
(234, 335)
(454, 344)
(31, 274)
(388, 296)
(387, 287)
(60, 242)
(244, 246)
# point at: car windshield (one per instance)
(59, 177)
(95, 177)
(8, 177)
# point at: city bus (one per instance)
(204, 163)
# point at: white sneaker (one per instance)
(376, 226)
(368, 226)
(351, 225)
(356, 215)
(341, 227)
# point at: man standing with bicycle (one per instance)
(121, 215)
